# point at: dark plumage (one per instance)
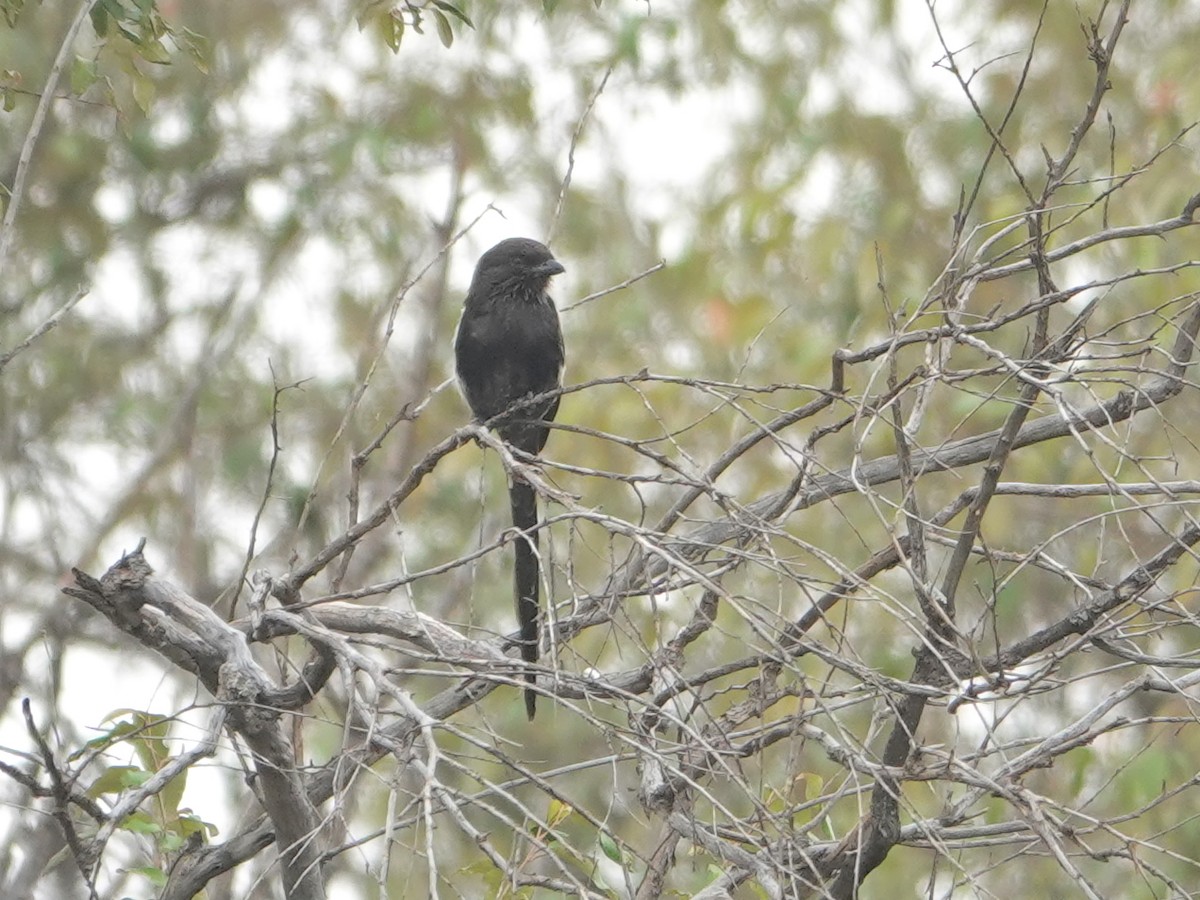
(508, 347)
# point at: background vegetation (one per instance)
(871, 513)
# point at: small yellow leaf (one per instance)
(558, 812)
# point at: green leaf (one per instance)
(143, 92)
(116, 10)
(443, 28)
(171, 841)
(139, 822)
(83, 74)
(99, 16)
(610, 848)
(115, 779)
(155, 52)
(628, 42)
(454, 11)
(130, 35)
(172, 794)
(391, 29)
(150, 740)
(194, 45)
(146, 732)
(189, 824)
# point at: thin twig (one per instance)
(616, 287)
(46, 326)
(7, 229)
(566, 182)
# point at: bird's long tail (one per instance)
(526, 579)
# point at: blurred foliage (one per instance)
(161, 820)
(257, 195)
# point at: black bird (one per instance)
(508, 347)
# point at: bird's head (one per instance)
(516, 262)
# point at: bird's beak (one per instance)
(548, 268)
